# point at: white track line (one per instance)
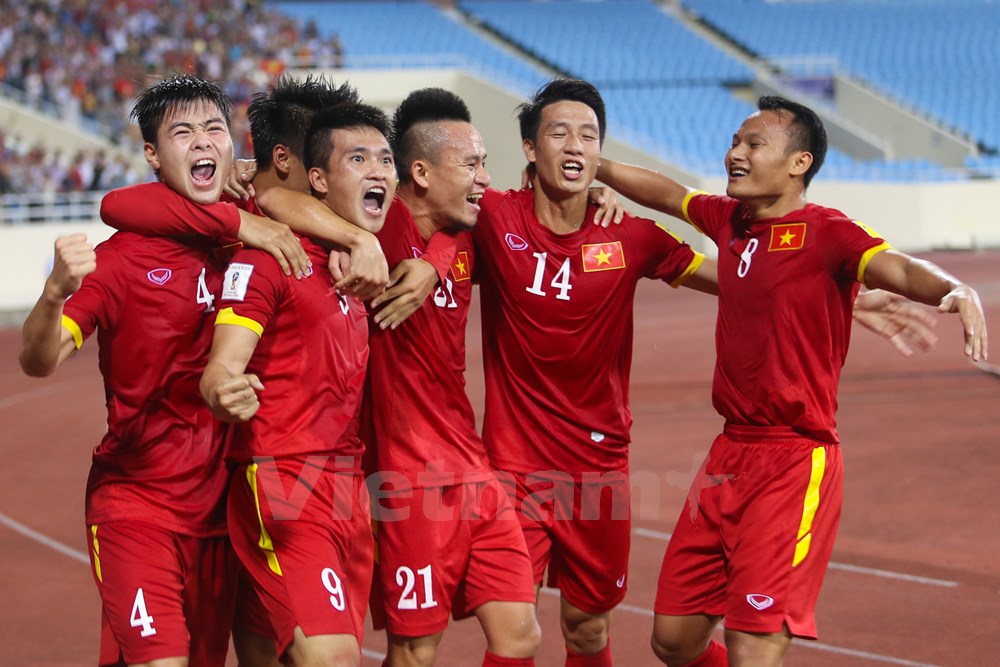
(818, 646)
(375, 655)
(856, 569)
(45, 540)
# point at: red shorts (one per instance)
(580, 530)
(163, 594)
(446, 550)
(302, 533)
(755, 535)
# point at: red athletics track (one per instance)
(916, 575)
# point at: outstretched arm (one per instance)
(45, 342)
(644, 186)
(924, 282)
(906, 325)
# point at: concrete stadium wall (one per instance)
(913, 218)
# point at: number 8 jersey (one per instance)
(557, 332)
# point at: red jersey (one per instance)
(557, 332)
(311, 358)
(786, 298)
(151, 302)
(417, 412)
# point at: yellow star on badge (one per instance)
(786, 238)
(460, 265)
(603, 258)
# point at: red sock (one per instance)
(715, 655)
(600, 659)
(490, 660)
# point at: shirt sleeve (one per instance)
(251, 291)
(670, 258)
(153, 209)
(709, 214)
(96, 304)
(850, 245)
(440, 253)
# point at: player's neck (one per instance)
(562, 213)
(766, 208)
(422, 218)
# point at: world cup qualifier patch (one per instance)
(234, 285)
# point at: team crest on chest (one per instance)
(791, 236)
(159, 276)
(603, 256)
(515, 242)
(460, 269)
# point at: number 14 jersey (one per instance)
(557, 332)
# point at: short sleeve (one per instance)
(670, 259)
(849, 246)
(709, 214)
(252, 288)
(97, 302)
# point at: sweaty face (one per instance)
(759, 163)
(193, 151)
(457, 177)
(567, 149)
(359, 180)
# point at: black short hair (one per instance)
(176, 92)
(282, 114)
(319, 142)
(806, 134)
(421, 108)
(529, 114)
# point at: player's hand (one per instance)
(906, 325)
(366, 274)
(239, 183)
(609, 209)
(964, 301)
(74, 258)
(410, 283)
(235, 399)
(277, 239)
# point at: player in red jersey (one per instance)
(448, 540)
(557, 297)
(298, 509)
(155, 512)
(754, 539)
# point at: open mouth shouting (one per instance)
(374, 200)
(203, 171)
(572, 169)
(474, 198)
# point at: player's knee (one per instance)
(180, 661)
(585, 633)
(521, 640)
(674, 647)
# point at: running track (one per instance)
(916, 578)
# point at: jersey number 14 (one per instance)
(559, 282)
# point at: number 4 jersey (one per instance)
(151, 302)
(557, 332)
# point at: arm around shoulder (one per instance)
(645, 186)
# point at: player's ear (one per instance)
(419, 173)
(317, 181)
(280, 156)
(529, 149)
(801, 161)
(152, 158)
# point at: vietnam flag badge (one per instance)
(460, 268)
(603, 256)
(787, 237)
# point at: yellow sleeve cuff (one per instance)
(684, 208)
(227, 316)
(867, 257)
(74, 329)
(690, 270)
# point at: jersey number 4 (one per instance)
(204, 294)
(560, 281)
(140, 618)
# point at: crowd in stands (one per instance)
(31, 168)
(89, 60)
